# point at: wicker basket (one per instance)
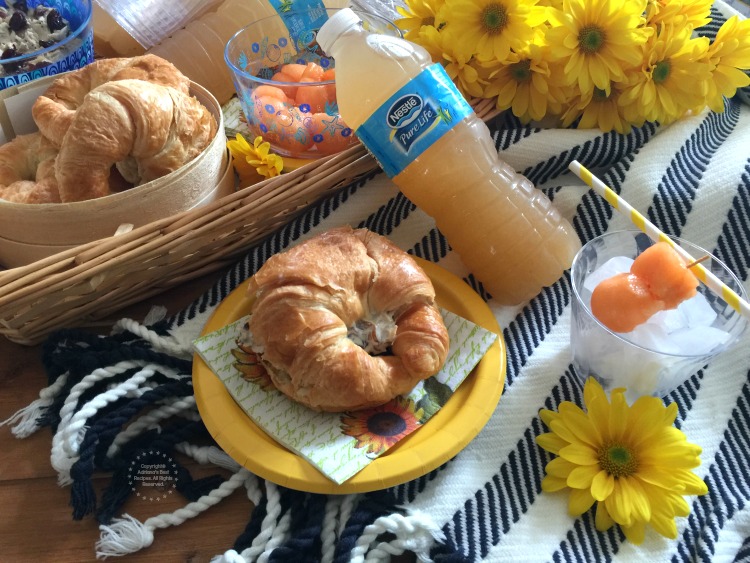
(29, 233)
(85, 284)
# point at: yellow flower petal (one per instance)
(580, 454)
(580, 424)
(619, 507)
(551, 442)
(582, 476)
(618, 415)
(551, 484)
(635, 532)
(664, 524)
(560, 467)
(548, 416)
(560, 427)
(603, 520)
(580, 501)
(602, 485)
(641, 507)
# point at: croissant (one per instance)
(27, 170)
(326, 310)
(54, 110)
(149, 130)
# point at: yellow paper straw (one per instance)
(646, 226)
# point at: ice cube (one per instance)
(669, 320)
(697, 311)
(653, 337)
(699, 340)
(612, 267)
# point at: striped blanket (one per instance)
(692, 179)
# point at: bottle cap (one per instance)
(337, 24)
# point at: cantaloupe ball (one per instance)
(311, 99)
(666, 274)
(282, 125)
(290, 91)
(272, 92)
(623, 301)
(293, 70)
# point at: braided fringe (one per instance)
(286, 526)
(127, 535)
(111, 401)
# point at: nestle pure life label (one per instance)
(303, 18)
(411, 120)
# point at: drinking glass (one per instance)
(661, 354)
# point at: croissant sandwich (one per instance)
(345, 321)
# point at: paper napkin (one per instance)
(340, 444)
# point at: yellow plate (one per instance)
(441, 438)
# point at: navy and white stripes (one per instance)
(691, 178)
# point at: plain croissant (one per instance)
(147, 129)
(27, 170)
(54, 110)
(311, 299)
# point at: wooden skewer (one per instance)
(709, 278)
(698, 261)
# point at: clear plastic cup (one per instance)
(646, 369)
(150, 21)
(299, 119)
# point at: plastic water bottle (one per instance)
(428, 140)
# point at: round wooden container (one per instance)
(31, 232)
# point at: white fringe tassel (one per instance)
(127, 535)
(25, 420)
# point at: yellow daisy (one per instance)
(252, 160)
(601, 110)
(629, 460)
(673, 79)
(468, 76)
(688, 13)
(416, 15)
(489, 29)
(729, 55)
(598, 40)
(523, 85)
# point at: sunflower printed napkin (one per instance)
(340, 444)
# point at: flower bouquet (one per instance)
(585, 63)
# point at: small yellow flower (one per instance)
(252, 160)
(684, 13)
(463, 69)
(489, 29)
(629, 460)
(673, 80)
(600, 110)
(418, 14)
(598, 40)
(523, 84)
(728, 55)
